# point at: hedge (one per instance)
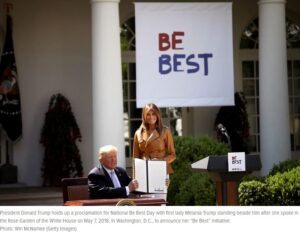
(188, 187)
(278, 189)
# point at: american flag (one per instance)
(10, 104)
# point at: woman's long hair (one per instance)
(156, 111)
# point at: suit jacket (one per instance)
(101, 185)
(157, 146)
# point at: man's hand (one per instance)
(133, 185)
(167, 182)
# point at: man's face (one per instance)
(110, 160)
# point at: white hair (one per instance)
(105, 150)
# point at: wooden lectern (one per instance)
(226, 182)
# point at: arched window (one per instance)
(250, 77)
(249, 38)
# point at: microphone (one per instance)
(222, 128)
(223, 131)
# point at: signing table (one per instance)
(139, 200)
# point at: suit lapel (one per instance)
(153, 136)
(142, 135)
(106, 175)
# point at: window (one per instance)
(250, 77)
(251, 91)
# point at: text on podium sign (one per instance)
(236, 162)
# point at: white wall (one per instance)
(53, 55)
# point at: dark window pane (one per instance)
(248, 68)
(289, 68)
(125, 106)
(297, 87)
(135, 112)
(297, 141)
(251, 106)
(297, 105)
(296, 124)
(249, 89)
(257, 68)
(125, 90)
(290, 84)
(132, 90)
(252, 143)
(296, 68)
(252, 123)
(124, 71)
(131, 71)
(127, 150)
(291, 105)
(134, 125)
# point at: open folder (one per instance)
(151, 175)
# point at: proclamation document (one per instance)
(151, 175)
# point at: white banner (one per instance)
(184, 54)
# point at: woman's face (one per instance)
(151, 117)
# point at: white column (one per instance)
(273, 85)
(108, 125)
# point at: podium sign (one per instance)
(236, 162)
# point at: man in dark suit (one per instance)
(107, 180)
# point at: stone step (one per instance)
(25, 196)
